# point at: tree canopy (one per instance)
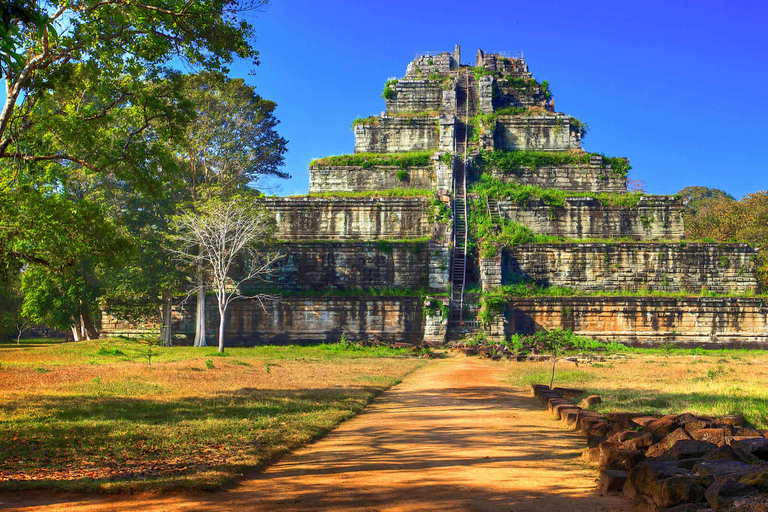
(102, 133)
(725, 220)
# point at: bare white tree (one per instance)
(226, 239)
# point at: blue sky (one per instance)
(678, 87)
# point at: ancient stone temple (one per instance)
(471, 181)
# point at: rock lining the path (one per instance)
(673, 463)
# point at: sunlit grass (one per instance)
(658, 382)
(94, 416)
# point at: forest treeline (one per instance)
(120, 120)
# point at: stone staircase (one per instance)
(493, 211)
(466, 107)
(458, 271)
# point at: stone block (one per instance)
(721, 495)
(727, 452)
(590, 401)
(665, 482)
(711, 435)
(612, 480)
(757, 447)
(663, 426)
(615, 456)
(688, 449)
(667, 442)
(719, 469)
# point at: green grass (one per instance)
(367, 121)
(424, 113)
(531, 289)
(368, 160)
(391, 291)
(408, 241)
(509, 161)
(659, 382)
(31, 341)
(497, 189)
(482, 229)
(98, 419)
(117, 350)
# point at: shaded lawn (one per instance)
(93, 416)
(655, 382)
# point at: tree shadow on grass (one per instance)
(375, 449)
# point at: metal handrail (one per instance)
(508, 54)
(429, 54)
(466, 218)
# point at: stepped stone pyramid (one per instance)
(387, 242)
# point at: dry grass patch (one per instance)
(703, 382)
(93, 416)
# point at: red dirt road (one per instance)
(453, 436)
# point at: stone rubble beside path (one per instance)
(673, 463)
(453, 436)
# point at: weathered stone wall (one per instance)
(352, 265)
(435, 324)
(447, 133)
(415, 96)
(313, 218)
(485, 94)
(699, 321)
(541, 133)
(449, 99)
(443, 173)
(654, 218)
(719, 268)
(111, 326)
(397, 135)
(576, 178)
(516, 67)
(358, 179)
(301, 319)
(439, 266)
(424, 65)
(491, 273)
(506, 95)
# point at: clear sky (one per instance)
(680, 88)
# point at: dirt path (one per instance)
(453, 436)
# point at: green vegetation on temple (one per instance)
(368, 160)
(391, 192)
(388, 92)
(527, 288)
(510, 161)
(422, 240)
(390, 291)
(486, 234)
(494, 188)
(483, 229)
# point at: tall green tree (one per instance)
(104, 45)
(94, 101)
(233, 142)
(726, 220)
(695, 197)
(232, 146)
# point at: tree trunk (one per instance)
(200, 316)
(76, 333)
(554, 362)
(87, 325)
(222, 316)
(166, 332)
